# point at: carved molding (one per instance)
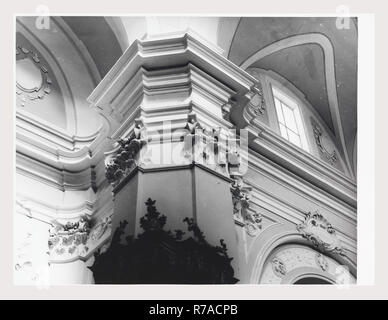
(320, 233)
(316, 171)
(36, 92)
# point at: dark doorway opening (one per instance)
(312, 280)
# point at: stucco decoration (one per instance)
(289, 263)
(32, 78)
(322, 144)
(30, 257)
(76, 239)
(321, 233)
(23, 259)
(278, 266)
(243, 214)
(215, 148)
(100, 229)
(257, 102)
(321, 261)
(126, 158)
(68, 238)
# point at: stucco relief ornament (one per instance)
(257, 102)
(279, 267)
(320, 139)
(240, 198)
(38, 83)
(69, 239)
(194, 135)
(321, 261)
(241, 211)
(126, 157)
(208, 146)
(321, 233)
(23, 252)
(100, 228)
(253, 223)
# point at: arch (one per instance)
(289, 263)
(270, 238)
(327, 47)
(276, 236)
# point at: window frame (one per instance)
(290, 103)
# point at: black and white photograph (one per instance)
(185, 150)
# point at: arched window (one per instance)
(289, 119)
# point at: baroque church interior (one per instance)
(185, 150)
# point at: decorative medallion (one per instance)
(321, 233)
(321, 261)
(321, 141)
(279, 267)
(32, 79)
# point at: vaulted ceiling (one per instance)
(304, 50)
(99, 40)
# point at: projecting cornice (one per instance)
(288, 157)
(165, 53)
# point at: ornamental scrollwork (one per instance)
(126, 157)
(213, 147)
(253, 223)
(320, 233)
(257, 103)
(42, 87)
(241, 200)
(319, 140)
